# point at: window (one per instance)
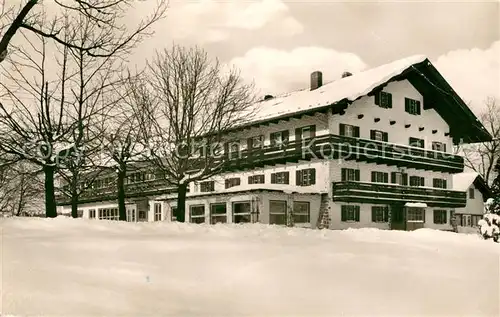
(349, 130)
(131, 214)
(466, 221)
(438, 146)
(412, 106)
(383, 99)
(255, 142)
(279, 139)
(440, 216)
(379, 135)
(208, 186)
(471, 193)
(305, 177)
(173, 210)
(218, 213)
(439, 183)
(380, 177)
(305, 132)
(158, 213)
(143, 215)
(416, 142)
(350, 175)
(197, 214)
(380, 214)
(399, 178)
(231, 182)
(256, 179)
(349, 213)
(108, 214)
(475, 219)
(301, 213)
(280, 178)
(234, 147)
(92, 213)
(417, 181)
(242, 212)
(415, 214)
(277, 212)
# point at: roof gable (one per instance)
(463, 181)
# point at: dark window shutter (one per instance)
(313, 131)
(285, 135)
(373, 176)
(273, 178)
(250, 180)
(287, 178)
(405, 179)
(313, 176)
(386, 214)
(344, 174)
(434, 182)
(343, 215)
(357, 177)
(433, 146)
(341, 129)
(377, 98)
(262, 179)
(385, 137)
(444, 147)
(444, 183)
(418, 106)
(421, 142)
(407, 105)
(356, 211)
(412, 181)
(298, 177)
(372, 134)
(386, 178)
(393, 177)
(422, 181)
(356, 132)
(373, 213)
(298, 134)
(226, 183)
(412, 141)
(445, 214)
(250, 143)
(389, 100)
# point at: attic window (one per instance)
(383, 99)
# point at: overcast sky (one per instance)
(279, 43)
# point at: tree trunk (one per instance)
(74, 205)
(122, 213)
(181, 202)
(50, 198)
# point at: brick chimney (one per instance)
(316, 80)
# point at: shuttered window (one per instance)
(379, 135)
(399, 178)
(417, 142)
(383, 99)
(280, 178)
(412, 106)
(380, 177)
(417, 181)
(305, 177)
(349, 130)
(380, 214)
(350, 213)
(350, 175)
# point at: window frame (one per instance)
(440, 216)
(380, 214)
(350, 213)
(472, 193)
(272, 212)
(297, 216)
(412, 106)
(259, 177)
(277, 176)
(246, 213)
(217, 215)
(158, 212)
(197, 216)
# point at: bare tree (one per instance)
(482, 157)
(107, 15)
(188, 102)
(122, 145)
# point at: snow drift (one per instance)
(77, 267)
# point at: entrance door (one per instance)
(398, 217)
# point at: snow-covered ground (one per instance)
(66, 267)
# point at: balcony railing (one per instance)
(337, 147)
(390, 194)
(137, 189)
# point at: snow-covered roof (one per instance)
(350, 88)
(462, 181)
(416, 205)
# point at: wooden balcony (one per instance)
(358, 192)
(133, 190)
(338, 147)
